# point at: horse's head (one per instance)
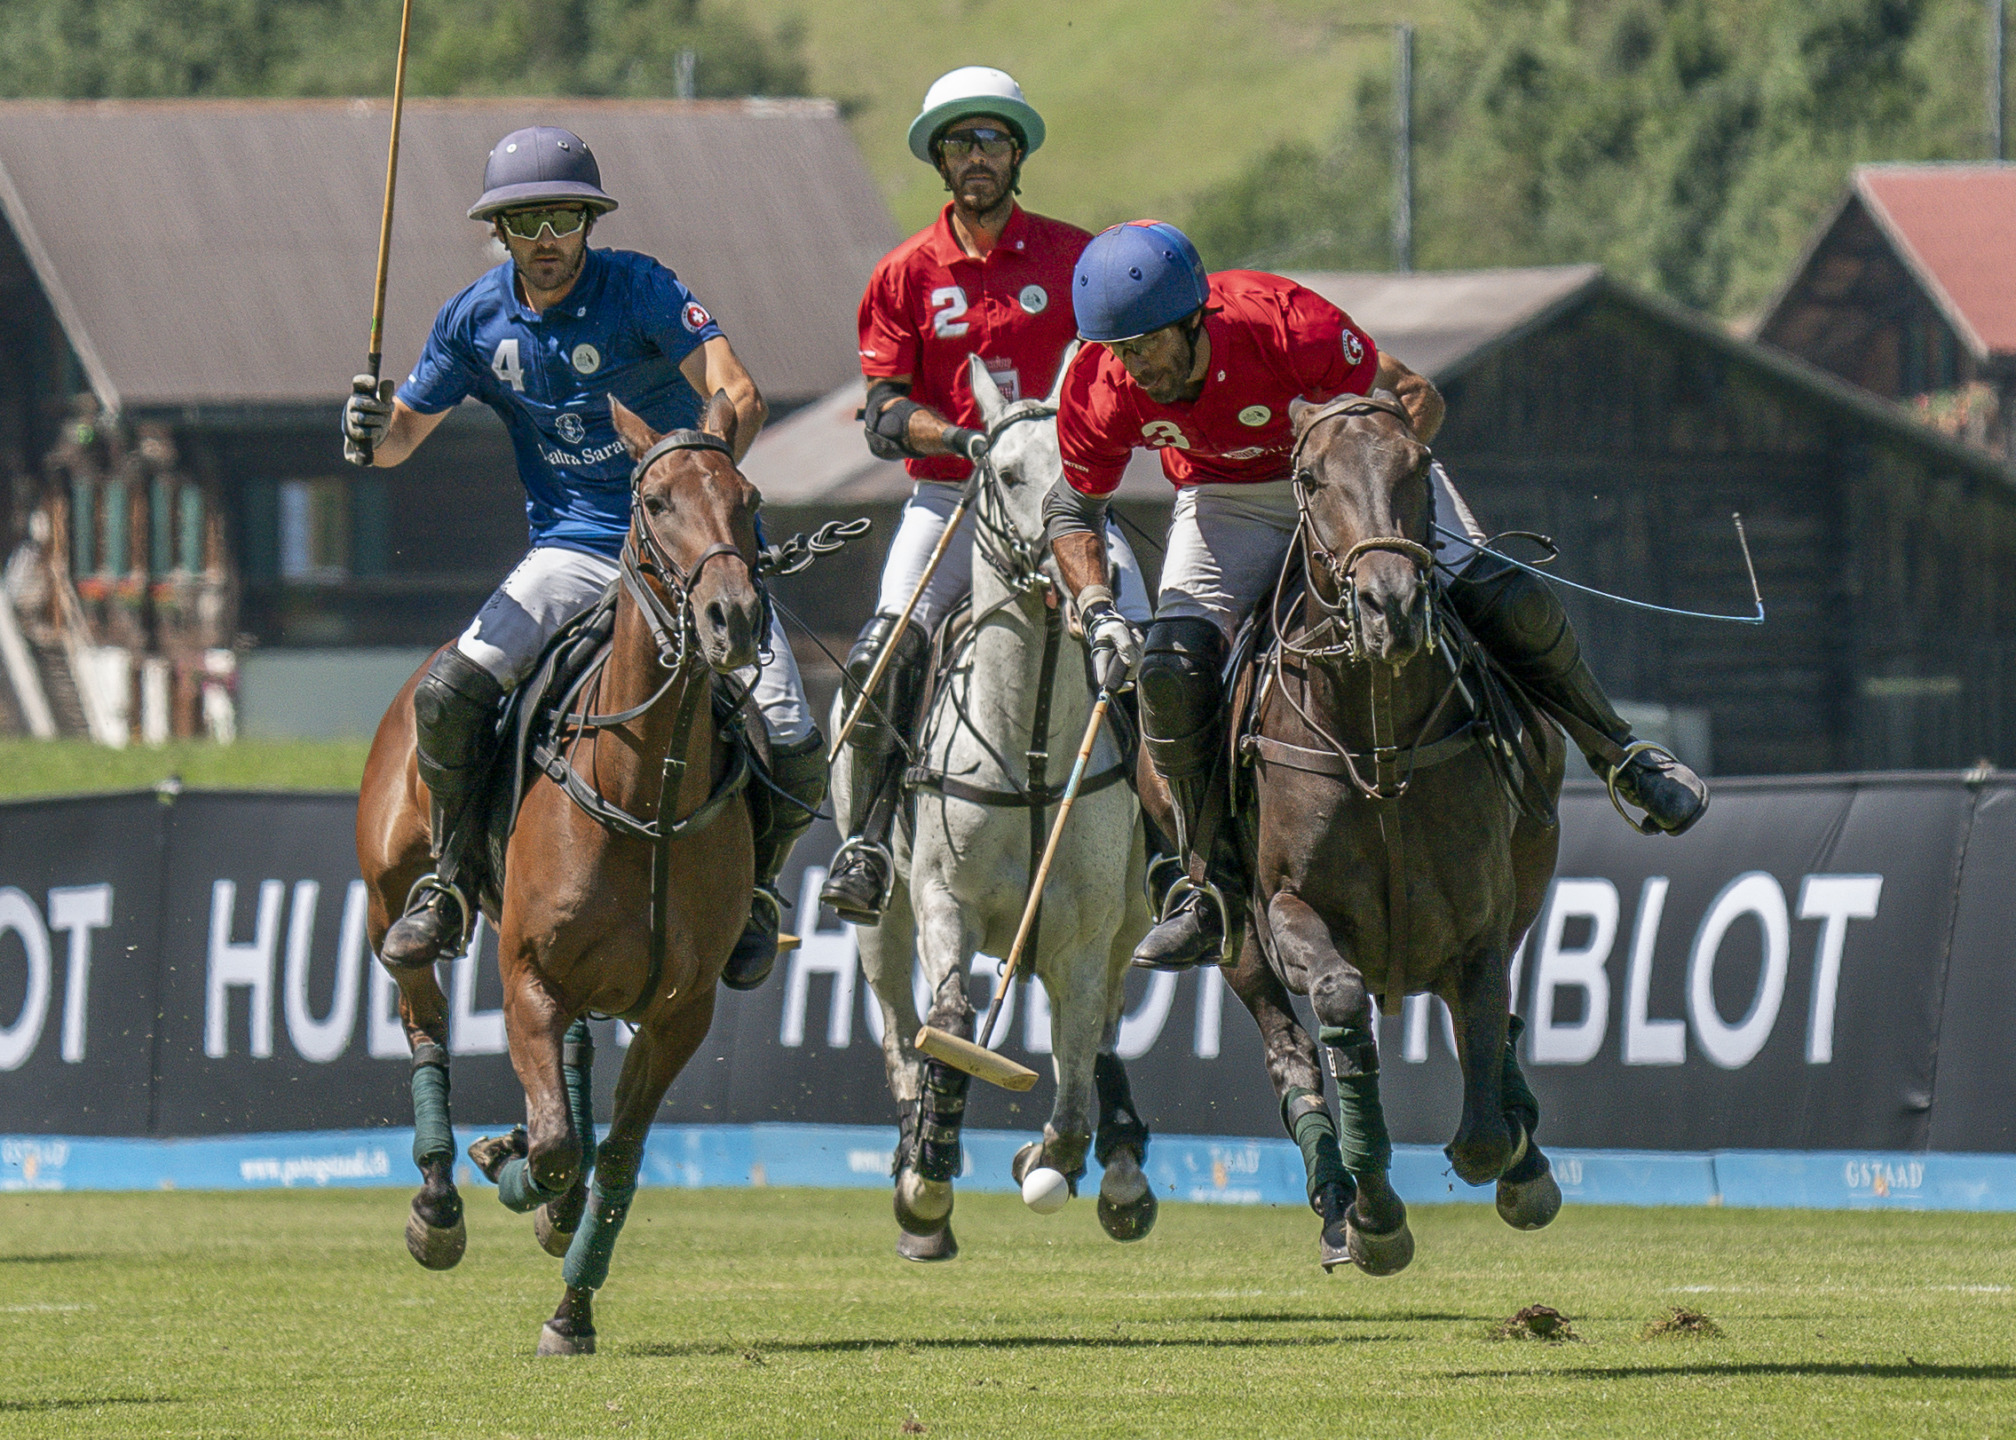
(1023, 437)
(693, 520)
(1364, 487)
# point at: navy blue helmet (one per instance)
(1136, 278)
(540, 163)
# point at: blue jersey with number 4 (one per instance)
(622, 331)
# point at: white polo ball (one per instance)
(1046, 1190)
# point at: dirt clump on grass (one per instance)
(1681, 1322)
(1536, 1322)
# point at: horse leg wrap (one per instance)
(519, 1189)
(433, 1136)
(1315, 1135)
(1354, 1063)
(941, 1111)
(587, 1264)
(577, 1065)
(1119, 1124)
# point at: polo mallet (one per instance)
(368, 384)
(888, 650)
(977, 1060)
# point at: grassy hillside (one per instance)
(1148, 101)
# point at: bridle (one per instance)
(1017, 560)
(670, 615)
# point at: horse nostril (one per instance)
(717, 616)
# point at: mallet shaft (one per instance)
(377, 350)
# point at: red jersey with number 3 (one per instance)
(929, 305)
(1271, 340)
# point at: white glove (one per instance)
(1116, 650)
(367, 418)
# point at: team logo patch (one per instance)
(587, 359)
(1255, 415)
(1035, 299)
(1354, 348)
(569, 425)
(695, 316)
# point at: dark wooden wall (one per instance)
(1889, 572)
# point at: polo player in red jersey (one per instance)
(1202, 369)
(985, 278)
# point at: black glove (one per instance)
(970, 443)
(367, 418)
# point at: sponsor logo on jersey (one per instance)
(569, 425)
(583, 460)
(1255, 415)
(1250, 452)
(695, 316)
(587, 359)
(1354, 348)
(1034, 299)
(1006, 378)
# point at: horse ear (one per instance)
(1298, 412)
(637, 437)
(1057, 386)
(720, 419)
(992, 401)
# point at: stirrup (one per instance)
(1644, 825)
(432, 884)
(1178, 893)
(874, 849)
(1156, 866)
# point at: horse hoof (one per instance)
(552, 1239)
(1386, 1254)
(926, 1248)
(922, 1206)
(1130, 1221)
(1333, 1247)
(554, 1341)
(433, 1247)
(1530, 1204)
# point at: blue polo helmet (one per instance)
(540, 163)
(1136, 278)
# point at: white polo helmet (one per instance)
(974, 90)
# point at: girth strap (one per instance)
(922, 777)
(1268, 751)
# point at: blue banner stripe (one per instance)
(1198, 1168)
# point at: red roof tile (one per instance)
(1956, 226)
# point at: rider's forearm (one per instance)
(751, 410)
(927, 430)
(409, 428)
(1075, 524)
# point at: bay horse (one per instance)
(630, 912)
(1005, 717)
(1400, 838)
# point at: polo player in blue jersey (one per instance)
(544, 339)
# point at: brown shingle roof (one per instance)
(220, 253)
(1955, 226)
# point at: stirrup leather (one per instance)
(432, 884)
(1643, 825)
(862, 845)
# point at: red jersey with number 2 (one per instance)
(929, 305)
(1271, 340)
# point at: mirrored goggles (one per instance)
(560, 219)
(992, 143)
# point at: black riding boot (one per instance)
(857, 886)
(1182, 724)
(1518, 617)
(800, 773)
(455, 732)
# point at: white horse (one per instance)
(963, 870)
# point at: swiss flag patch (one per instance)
(696, 317)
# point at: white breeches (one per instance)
(1226, 544)
(925, 514)
(552, 585)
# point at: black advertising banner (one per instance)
(1823, 963)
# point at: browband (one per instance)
(678, 440)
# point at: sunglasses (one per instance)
(992, 143)
(560, 219)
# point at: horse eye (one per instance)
(654, 505)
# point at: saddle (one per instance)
(530, 719)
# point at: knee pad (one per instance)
(1514, 611)
(1182, 698)
(454, 715)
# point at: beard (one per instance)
(980, 190)
(547, 273)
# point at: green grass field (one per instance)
(73, 767)
(780, 1313)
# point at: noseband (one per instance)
(671, 623)
(1342, 572)
(1018, 561)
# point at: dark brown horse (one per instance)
(579, 926)
(1399, 835)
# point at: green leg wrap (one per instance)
(587, 1264)
(517, 1188)
(1354, 1063)
(433, 1136)
(1517, 1096)
(578, 1065)
(1315, 1133)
